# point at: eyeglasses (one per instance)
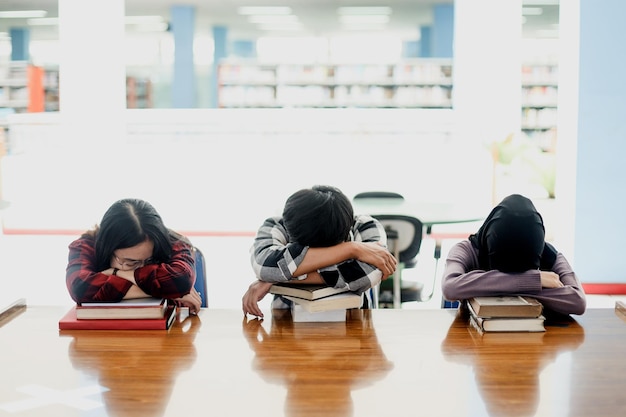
(132, 263)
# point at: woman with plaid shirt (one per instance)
(131, 254)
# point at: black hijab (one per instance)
(512, 238)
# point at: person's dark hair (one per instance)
(320, 216)
(127, 223)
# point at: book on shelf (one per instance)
(306, 291)
(506, 306)
(505, 324)
(301, 315)
(135, 308)
(343, 301)
(71, 322)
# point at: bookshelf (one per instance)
(51, 89)
(540, 102)
(138, 93)
(14, 85)
(418, 83)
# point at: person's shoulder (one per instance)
(182, 243)
(273, 221)
(464, 246)
(86, 239)
(271, 226)
(363, 219)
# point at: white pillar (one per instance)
(92, 72)
(567, 127)
(487, 68)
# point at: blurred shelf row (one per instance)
(29, 88)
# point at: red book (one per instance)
(70, 322)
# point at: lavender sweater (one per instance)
(462, 280)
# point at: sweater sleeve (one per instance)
(568, 299)
(273, 257)
(172, 279)
(462, 280)
(356, 275)
(84, 283)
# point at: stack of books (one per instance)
(317, 303)
(132, 314)
(506, 314)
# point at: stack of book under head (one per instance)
(506, 314)
(131, 314)
(317, 303)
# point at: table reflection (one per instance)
(507, 366)
(138, 368)
(340, 357)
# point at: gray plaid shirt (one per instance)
(274, 258)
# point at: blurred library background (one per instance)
(216, 112)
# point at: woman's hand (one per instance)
(377, 255)
(191, 300)
(250, 300)
(550, 279)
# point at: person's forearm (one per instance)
(127, 275)
(135, 292)
(312, 278)
(317, 258)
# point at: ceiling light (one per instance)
(273, 19)
(364, 19)
(263, 10)
(364, 10)
(364, 27)
(23, 14)
(296, 26)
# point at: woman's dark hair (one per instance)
(321, 216)
(127, 223)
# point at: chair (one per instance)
(201, 285)
(404, 236)
(379, 194)
(449, 304)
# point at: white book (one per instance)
(137, 308)
(300, 315)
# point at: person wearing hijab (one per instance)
(509, 256)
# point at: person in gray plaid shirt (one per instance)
(318, 240)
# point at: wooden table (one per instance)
(381, 362)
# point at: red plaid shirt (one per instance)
(169, 280)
